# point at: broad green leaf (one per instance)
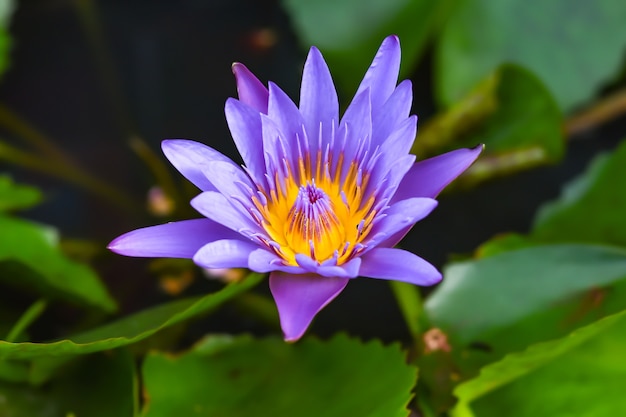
(129, 329)
(100, 385)
(575, 47)
(508, 110)
(511, 113)
(503, 243)
(581, 374)
(592, 208)
(14, 197)
(246, 377)
(478, 297)
(30, 259)
(349, 32)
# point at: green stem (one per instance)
(23, 130)
(410, 303)
(498, 165)
(68, 173)
(30, 315)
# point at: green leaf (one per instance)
(503, 243)
(30, 259)
(130, 329)
(245, 377)
(14, 197)
(581, 374)
(511, 112)
(576, 48)
(478, 297)
(101, 385)
(349, 32)
(592, 208)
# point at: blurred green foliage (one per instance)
(559, 378)
(575, 47)
(527, 325)
(6, 10)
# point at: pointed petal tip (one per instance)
(170, 144)
(391, 40)
(473, 153)
(250, 89)
(399, 265)
(316, 59)
(300, 297)
(230, 102)
(315, 50)
(241, 72)
(113, 246)
(434, 280)
(236, 66)
(291, 339)
(122, 245)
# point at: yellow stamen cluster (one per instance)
(314, 213)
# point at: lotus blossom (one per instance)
(320, 199)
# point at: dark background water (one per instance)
(165, 73)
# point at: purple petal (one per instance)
(386, 177)
(262, 260)
(229, 179)
(219, 209)
(400, 217)
(393, 112)
(348, 270)
(382, 75)
(244, 123)
(190, 157)
(357, 120)
(398, 265)
(250, 90)
(429, 177)
(171, 240)
(277, 150)
(300, 297)
(318, 98)
(284, 113)
(400, 140)
(225, 253)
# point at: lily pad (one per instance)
(241, 376)
(517, 284)
(581, 374)
(129, 329)
(574, 47)
(592, 208)
(30, 259)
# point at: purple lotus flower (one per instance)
(320, 200)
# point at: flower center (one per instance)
(312, 221)
(327, 218)
(318, 204)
